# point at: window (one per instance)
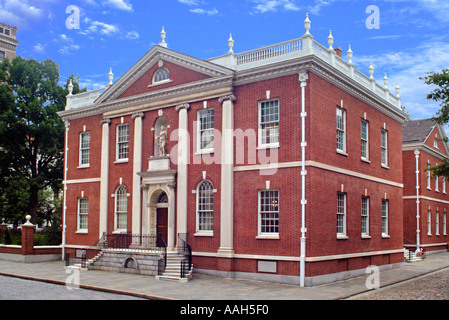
(384, 217)
(429, 221)
(269, 122)
(269, 212)
(444, 222)
(384, 148)
(7, 32)
(161, 74)
(83, 211)
(121, 208)
(444, 184)
(364, 139)
(2, 55)
(85, 148)
(205, 206)
(437, 223)
(428, 176)
(435, 142)
(365, 216)
(341, 214)
(341, 130)
(436, 184)
(206, 130)
(122, 142)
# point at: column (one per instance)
(104, 176)
(183, 160)
(137, 167)
(227, 177)
(171, 217)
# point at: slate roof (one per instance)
(417, 131)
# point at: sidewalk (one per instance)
(203, 287)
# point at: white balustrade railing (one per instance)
(269, 51)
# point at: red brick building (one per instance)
(281, 163)
(426, 202)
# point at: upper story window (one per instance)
(269, 123)
(7, 32)
(341, 130)
(2, 55)
(161, 75)
(384, 147)
(122, 141)
(85, 148)
(428, 176)
(206, 120)
(83, 213)
(384, 217)
(435, 142)
(341, 214)
(364, 139)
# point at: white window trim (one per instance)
(80, 164)
(266, 235)
(429, 222)
(342, 151)
(79, 229)
(342, 235)
(261, 145)
(436, 184)
(367, 140)
(444, 184)
(116, 230)
(198, 134)
(437, 223)
(428, 177)
(367, 233)
(444, 223)
(384, 165)
(204, 233)
(117, 160)
(385, 234)
(154, 82)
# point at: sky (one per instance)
(403, 38)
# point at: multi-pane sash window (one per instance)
(364, 139)
(121, 208)
(205, 205)
(444, 184)
(161, 74)
(206, 129)
(2, 55)
(83, 211)
(429, 222)
(385, 217)
(269, 122)
(384, 147)
(437, 223)
(341, 214)
(85, 148)
(341, 129)
(436, 183)
(122, 141)
(444, 223)
(365, 215)
(269, 211)
(428, 176)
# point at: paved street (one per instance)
(18, 289)
(434, 286)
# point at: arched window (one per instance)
(162, 198)
(121, 208)
(161, 74)
(205, 206)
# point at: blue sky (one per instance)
(412, 37)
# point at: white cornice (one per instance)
(423, 147)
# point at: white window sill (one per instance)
(120, 231)
(385, 166)
(365, 160)
(121, 161)
(203, 234)
(204, 151)
(366, 236)
(268, 146)
(82, 232)
(160, 83)
(385, 236)
(341, 152)
(83, 166)
(268, 236)
(342, 237)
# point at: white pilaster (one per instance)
(137, 167)
(183, 160)
(171, 218)
(104, 176)
(227, 177)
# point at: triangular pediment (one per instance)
(436, 140)
(183, 69)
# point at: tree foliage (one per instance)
(31, 134)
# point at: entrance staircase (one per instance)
(173, 268)
(410, 256)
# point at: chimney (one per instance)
(338, 51)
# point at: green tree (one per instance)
(31, 133)
(440, 94)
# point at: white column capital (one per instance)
(229, 97)
(105, 121)
(182, 106)
(303, 76)
(137, 115)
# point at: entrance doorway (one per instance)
(162, 223)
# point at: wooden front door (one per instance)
(162, 223)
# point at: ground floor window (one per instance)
(83, 211)
(341, 213)
(121, 208)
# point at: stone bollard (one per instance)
(28, 237)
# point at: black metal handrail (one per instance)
(185, 250)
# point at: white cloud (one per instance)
(23, 12)
(101, 28)
(189, 2)
(39, 48)
(132, 35)
(202, 11)
(274, 5)
(119, 4)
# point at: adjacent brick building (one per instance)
(8, 41)
(282, 163)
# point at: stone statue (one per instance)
(162, 140)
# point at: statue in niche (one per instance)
(162, 140)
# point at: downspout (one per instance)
(417, 200)
(64, 207)
(303, 79)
